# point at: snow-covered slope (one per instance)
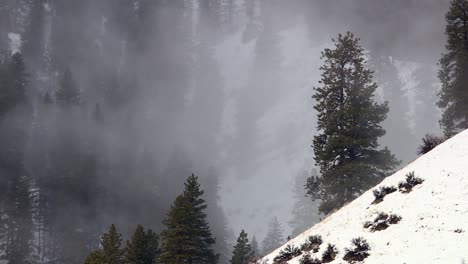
(434, 224)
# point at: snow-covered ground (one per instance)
(434, 224)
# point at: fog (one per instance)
(218, 88)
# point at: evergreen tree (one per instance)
(96, 257)
(346, 150)
(152, 249)
(188, 238)
(143, 248)
(68, 93)
(216, 216)
(242, 252)
(274, 237)
(453, 72)
(112, 246)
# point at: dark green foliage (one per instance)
(274, 237)
(358, 252)
(410, 181)
(329, 254)
(187, 238)
(349, 123)
(143, 247)
(286, 254)
(111, 242)
(429, 143)
(242, 252)
(382, 221)
(96, 257)
(453, 74)
(68, 93)
(307, 259)
(380, 193)
(312, 244)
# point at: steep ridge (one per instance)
(434, 215)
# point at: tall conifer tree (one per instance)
(143, 248)
(112, 246)
(346, 149)
(454, 70)
(188, 238)
(242, 252)
(111, 252)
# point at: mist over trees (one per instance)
(107, 106)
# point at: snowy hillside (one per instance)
(434, 215)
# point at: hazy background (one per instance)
(219, 88)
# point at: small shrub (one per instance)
(411, 181)
(382, 222)
(329, 254)
(287, 254)
(312, 244)
(307, 259)
(394, 219)
(429, 143)
(380, 193)
(358, 252)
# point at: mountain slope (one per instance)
(434, 215)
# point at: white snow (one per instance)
(430, 214)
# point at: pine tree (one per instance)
(274, 237)
(112, 246)
(96, 257)
(143, 248)
(152, 250)
(68, 93)
(242, 252)
(188, 238)
(346, 150)
(111, 252)
(453, 72)
(216, 216)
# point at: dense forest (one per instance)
(107, 107)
